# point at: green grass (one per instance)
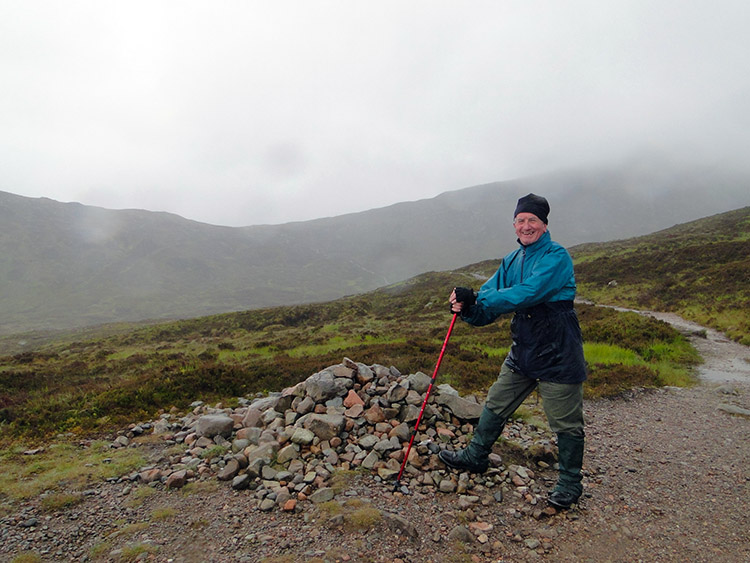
(62, 466)
(198, 488)
(659, 364)
(134, 552)
(698, 270)
(129, 530)
(363, 518)
(599, 353)
(214, 452)
(163, 514)
(61, 501)
(100, 550)
(27, 557)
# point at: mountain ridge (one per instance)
(67, 265)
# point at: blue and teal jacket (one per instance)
(537, 283)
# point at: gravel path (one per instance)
(670, 477)
(667, 479)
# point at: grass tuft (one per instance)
(163, 514)
(363, 518)
(63, 465)
(27, 557)
(60, 501)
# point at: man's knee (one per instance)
(563, 406)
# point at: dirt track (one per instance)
(670, 478)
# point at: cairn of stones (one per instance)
(285, 447)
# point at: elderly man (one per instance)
(536, 282)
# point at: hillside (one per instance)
(96, 384)
(699, 270)
(66, 265)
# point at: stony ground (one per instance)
(667, 479)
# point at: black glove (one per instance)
(466, 296)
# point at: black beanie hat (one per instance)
(535, 204)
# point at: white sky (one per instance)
(247, 112)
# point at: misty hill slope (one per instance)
(698, 269)
(66, 265)
(90, 383)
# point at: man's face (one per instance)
(529, 228)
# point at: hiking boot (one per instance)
(459, 460)
(562, 500)
(570, 460)
(474, 457)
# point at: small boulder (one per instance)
(212, 425)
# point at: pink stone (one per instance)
(353, 399)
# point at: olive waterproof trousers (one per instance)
(562, 402)
(563, 406)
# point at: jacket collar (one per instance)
(541, 243)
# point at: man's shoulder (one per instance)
(510, 257)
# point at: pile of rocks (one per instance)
(287, 446)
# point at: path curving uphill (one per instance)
(723, 359)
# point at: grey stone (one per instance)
(735, 410)
(396, 393)
(266, 505)
(239, 445)
(229, 471)
(121, 442)
(265, 403)
(447, 486)
(241, 482)
(270, 416)
(419, 381)
(409, 413)
(532, 543)
(368, 441)
(413, 398)
(284, 476)
(460, 407)
(306, 405)
(212, 425)
(282, 496)
(325, 426)
(321, 386)
(364, 374)
(402, 432)
(287, 453)
(445, 389)
(462, 534)
(324, 494)
(268, 473)
(371, 459)
(266, 450)
(302, 436)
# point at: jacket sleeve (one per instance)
(548, 276)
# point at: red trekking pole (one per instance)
(424, 403)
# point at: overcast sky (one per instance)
(249, 112)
